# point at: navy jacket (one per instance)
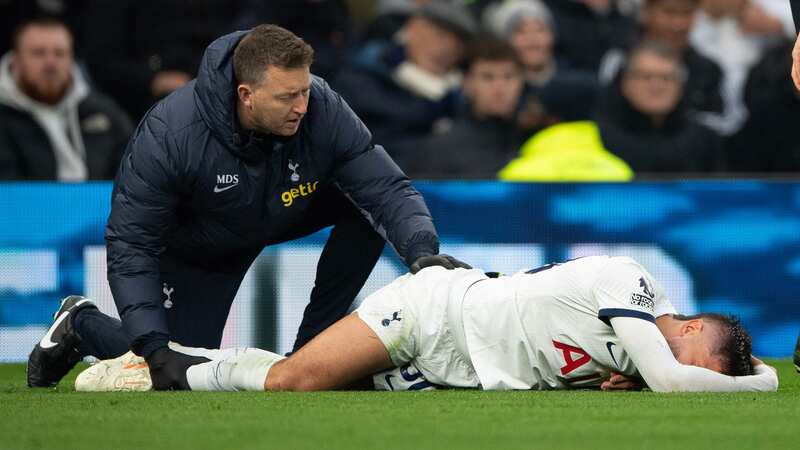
(194, 187)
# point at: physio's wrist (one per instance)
(147, 348)
(418, 251)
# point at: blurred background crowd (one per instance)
(514, 89)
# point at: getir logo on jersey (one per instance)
(303, 190)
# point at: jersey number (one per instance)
(572, 363)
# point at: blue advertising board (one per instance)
(728, 246)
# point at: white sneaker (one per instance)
(126, 373)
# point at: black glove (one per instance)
(168, 369)
(446, 261)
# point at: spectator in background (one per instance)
(735, 34)
(670, 22)
(142, 50)
(569, 151)
(324, 24)
(400, 91)
(553, 91)
(587, 29)
(769, 141)
(15, 12)
(643, 120)
(390, 16)
(53, 126)
(484, 135)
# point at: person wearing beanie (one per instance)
(552, 86)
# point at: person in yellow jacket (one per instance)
(571, 151)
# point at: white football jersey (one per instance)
(549, 328)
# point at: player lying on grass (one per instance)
(562, 326)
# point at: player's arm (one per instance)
(143, 206)
(371, 178)
(142, 215)
(629, 300)
(654, 360)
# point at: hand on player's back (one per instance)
(446, 261)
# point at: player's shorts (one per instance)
(418, 319)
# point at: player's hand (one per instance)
(757, 362)
(796, 64)
(168, 369)
(619, 382)
(446, 261)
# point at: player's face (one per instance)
(652, 84)
(42, 63)
(669, 21)
(532, 39)
(493, 87)
(693, 343)
(280, 101)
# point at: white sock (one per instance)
(243, 369)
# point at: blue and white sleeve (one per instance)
(625, 289)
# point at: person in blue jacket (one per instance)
(253, 152)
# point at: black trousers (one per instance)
(200, 299)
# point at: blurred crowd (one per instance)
(510, 89)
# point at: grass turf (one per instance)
(63, 419)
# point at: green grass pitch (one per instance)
(62, 419)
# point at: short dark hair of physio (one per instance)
(269, 45)
(733, 345)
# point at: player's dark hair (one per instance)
(489, 48)
(269, 45)
(734, 344)
(43, 21)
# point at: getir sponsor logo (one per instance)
(303, 190)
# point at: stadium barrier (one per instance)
(730, 246)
